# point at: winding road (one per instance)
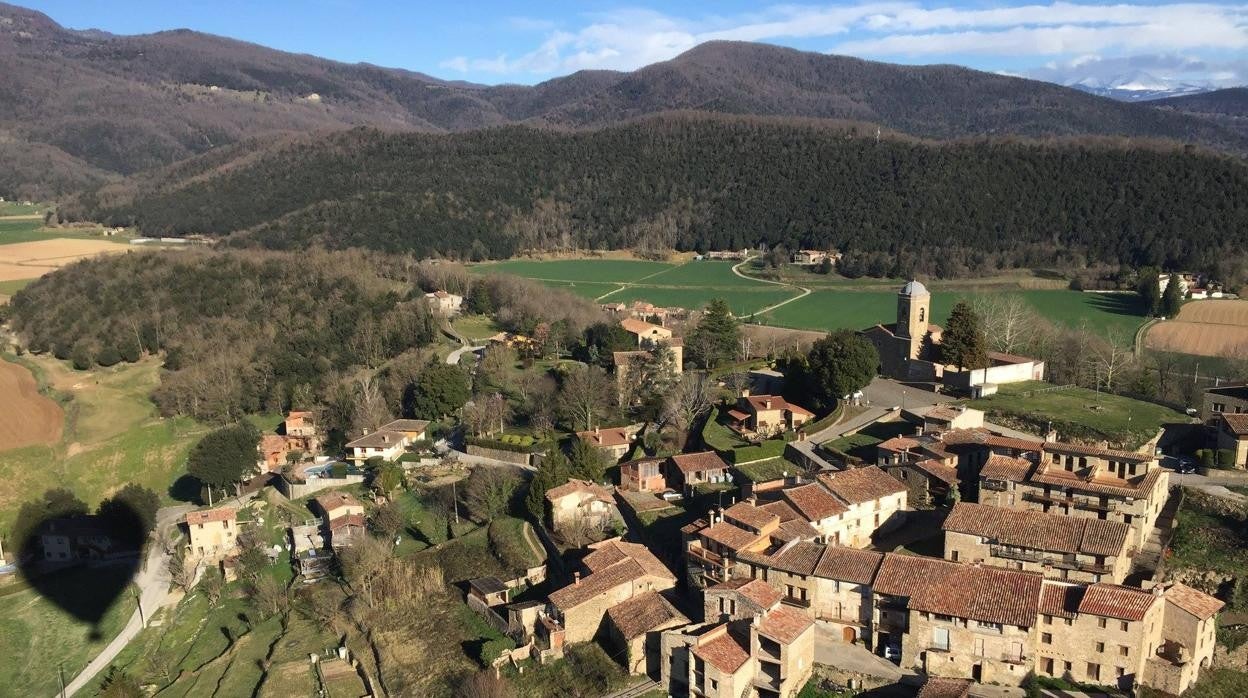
(804, 291)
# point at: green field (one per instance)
(38, 636)
(742, 302)
(31, 230)
(13, 208)
(703, 273)
(113, 435)
(585, 289)
(1077, 413)
(8, 288)
(617, 270)
(832, 310)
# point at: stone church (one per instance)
(909, 348)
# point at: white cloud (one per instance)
(1166, 70)
(1065, 32)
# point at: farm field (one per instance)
(1204, 328)
(597, 270)
(112, 435)
(29, 260)
(27, 417)
(847, 309)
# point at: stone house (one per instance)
(1059, 547)
(636, 627)
(688, 469)
(650, 336)
(928, 471)
(770, 655)
(578, 501)
(300, 428)
(737, 599)
(444, 303)
(1225, 399)
(616, 442)
(815, 504)
(897, 579)
(616, 572)
(643, 475)
(1232, 435)
(1188, 640)
(85, 537)
(767, 415)
(212, 533)
(342, 516)
(874, 501)
(977, 624)
(389, 442)
(486, 592)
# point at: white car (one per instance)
(892, 653)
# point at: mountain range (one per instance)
(82, 108)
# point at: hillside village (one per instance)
(751, 546)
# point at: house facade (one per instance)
(212, 533)
(767, 415)
(643, 475)
(580, 501)
(615, 442)
(615, 572)
(390, 441)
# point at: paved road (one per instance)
(153, 581)
(880, 396)
(453, 357)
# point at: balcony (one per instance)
(1048, 499)
(994, 485)
(1016, 554)
(1095, 506)
(700, 554)
(800, 603)
(1018, 659)
(1089, 567)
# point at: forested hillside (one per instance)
(709, 182)
(80, 108)
(1227, 108)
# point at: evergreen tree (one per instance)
(553, 472)
(838, 365)
(963, 343)
(131, 512)
(439, 390)
(587, 462)
(1172, 297)
(223, 457)
(716, 336)
(1149, 288)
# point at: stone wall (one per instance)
(499, 454)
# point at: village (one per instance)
(757, 545)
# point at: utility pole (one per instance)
(138, 601)
(455, 502)
(60, 670)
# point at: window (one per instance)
(1094, 671)
(1048, 619)
(1067, 667)
(1219, 407)
(954, 556)
(1124, 651)
(1125, 626)
(1046, 638)
(940, 639)
(1119, 671)
(1048, 665)
(1100, 622)
(1100, 647)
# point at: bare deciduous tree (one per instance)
(1109, 356)
(688, 400)
(363, 563)
(490, 489)
(585, 393)
(1009, 322)
(485, 684)
(181, 570)
(371, 410)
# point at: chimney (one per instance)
(767, 404)
(596, 430)
(752, 500)
(365, 431)
(576, 578)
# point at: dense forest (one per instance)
(697, 182)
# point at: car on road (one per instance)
(893, 653)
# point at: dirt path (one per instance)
(804, 291)
(538, 551)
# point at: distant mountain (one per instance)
(78, 108)
(1227, 108)
(1137, 86)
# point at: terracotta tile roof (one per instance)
(1038, 530)
(615, 436)
(619, 358)
(861, 484)
(898, 444)
(760, 402)
(944, 413)
(723, 652)
(1236, 423)
(416, 425)
(1194, 601)
(693, 527)
(378, 439)
(1082, 450)
(598, 582)
(782, 509)
(785, 624)
(903, 575)
(1140, 488)
(1061, 600)
(757, 591)
(346, 521)
(848, 564)
(635, 326)
(609, 552)
(211, 515)
(813, 502)
(1004, 358)
(697, 462)
(945, 688)
(731, 537)
(1114, 601)
(750, 515)
(988, 594)
(579, 486)
(984, 437)
(336, 500)
(1007, 468)
(796, 529)
(641, 614)
(945, 473)
(799, 557)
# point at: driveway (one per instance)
(453, 357)
(830, 650)
(879, 397)
(153, 582)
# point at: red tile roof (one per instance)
(1236, 423)
(861, 484)
(1083, 450)
(616, 436)
(579, 486)
(723, 652)
(211, 515)
(698, 462)
(945, 473)
(1004, 358)
(903, 575)
(785, 624)
(760, 402)
(731, 537)
(751, 515)
(988, 594)
(1194, 601)
(757, 591)
(641, 614)
(813, 502)
(796, 529)
(1006, 468)
(635, 326)
(1061, 600)
(1114, 601)
(799, 557)
(848, 564)
(945, 688)
(336, 500)
(782, 509)
(1038, 530)
(899, 444)
(1139, 488)
(611, 551)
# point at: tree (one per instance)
(212, 584)
(438, 391)
(131, 512)
(55, 503)
(478, 300)
(1009, 322)
(1172, 297)
(1110, 356)
(485, 684)
(269, 595)
(825, 267)
(1149, 289)
(387, 477)
(119, 684)
(686, 402)
(838, 365)
(587, 461)
(489, 491)
(223, 457)
(371, 410)
(554, 471)
(487, 414)
(181, 570)
(714, 339)
(584, 395)
(963, 343)
(387, 520)
(363, 564)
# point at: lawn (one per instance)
(113, 436)
(705, 273)
(475, 327)
(1077, 413)
(510, 544)
(1207, 540)
(862, 444)
(742, 302)
(857, 309)
(38, 636)
(584, 289)
(14, 208)
(770, 469)
(595, 270)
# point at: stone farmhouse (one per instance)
(1231, 434)
(764, 416)
(635, 629)
(580, 501)
(342, 518)
(615, 572)
(616, 442)
(444, 303)
(643, 475)
(688, 469)
(212, 534)
(86, 537)
(1061, 547)
(1232, 399)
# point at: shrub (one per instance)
(108, 356)
(338, 470)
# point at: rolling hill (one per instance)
(80, 108)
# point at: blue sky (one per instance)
(493, 41)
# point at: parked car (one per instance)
(892, 653)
